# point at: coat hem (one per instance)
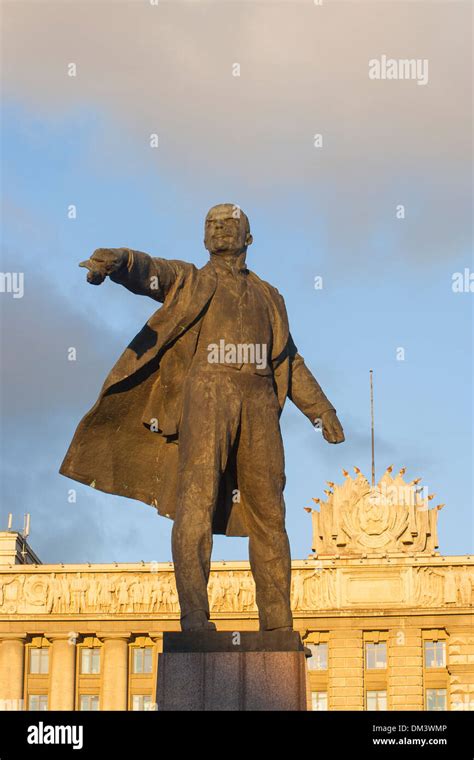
(68, 472)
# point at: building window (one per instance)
(88, 702)
(319, 700)
(319, 657)
(39, 660)
(90, 660)
(142, 702)
(436, 699)
(142, 659)
(435, 654)
(375, 655)
(38, 702)
(376, 700)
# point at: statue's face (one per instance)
(226, 230)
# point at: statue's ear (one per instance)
(248, 239)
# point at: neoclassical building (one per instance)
(388, 619)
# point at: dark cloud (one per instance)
(303, 70)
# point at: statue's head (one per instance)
(227, 230)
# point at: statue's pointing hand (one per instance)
(103, 262)
(332, 428)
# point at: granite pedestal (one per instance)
(224, 670)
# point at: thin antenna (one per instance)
(10, 520)
(372, 423)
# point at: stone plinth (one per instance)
(222, 670)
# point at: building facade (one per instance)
(388, 620)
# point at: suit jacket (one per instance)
(118, 447)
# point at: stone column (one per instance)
(157, 639)
(114, 670)
(460, 657)
(62, 671)
(405, 669)
(12, 659)
(346, 669)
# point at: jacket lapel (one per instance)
(187, 300)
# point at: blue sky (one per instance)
(386, 281)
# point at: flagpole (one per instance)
(372, 424)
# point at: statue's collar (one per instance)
(223, 263)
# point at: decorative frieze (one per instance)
(152, 591)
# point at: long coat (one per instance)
(128, 443)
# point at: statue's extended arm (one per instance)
(137, 271)
(306, 393)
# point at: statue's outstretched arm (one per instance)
(137, 271)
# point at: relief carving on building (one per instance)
(77, 593)
(230, 590)
(438, 587)
(314, 589)
(115, 593)
(359, 519)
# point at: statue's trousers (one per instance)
(232, 417)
